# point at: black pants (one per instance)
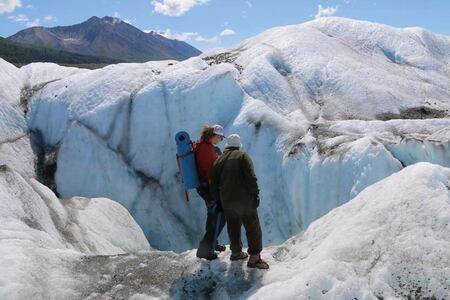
(212, 206)
(249, 218)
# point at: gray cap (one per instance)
(233, 140)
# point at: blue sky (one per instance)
(220, 23)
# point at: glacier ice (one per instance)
(325, 108)
(41, 237)
(17, 87)
(390, 241)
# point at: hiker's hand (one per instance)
(256, 201)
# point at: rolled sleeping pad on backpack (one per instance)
(186, 160)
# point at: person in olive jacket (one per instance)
(235, 184)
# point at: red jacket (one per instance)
(205, 156)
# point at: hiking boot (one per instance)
(220, 248)
(255, 261)
(208, 255)
(237, 256)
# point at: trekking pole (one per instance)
(216, 232)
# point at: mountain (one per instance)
(107, 37)
(19, 53)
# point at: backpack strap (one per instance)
(193, 146)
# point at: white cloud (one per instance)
(227, 32)
(325, 11)
(211, 40)
(117, 15)
(19, 18)
(9, 5)
(249, 4)
(49, 18)
(175, 8)
(183, 36)
(29, 23)
(29, 6)
(34, 23)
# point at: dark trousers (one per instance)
(249, 218)
(213, 209)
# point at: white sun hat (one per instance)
(218, 130)
(233, 140)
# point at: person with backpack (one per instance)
(234, 183)
(206, 153)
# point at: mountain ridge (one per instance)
(21, 54)
(107, 37)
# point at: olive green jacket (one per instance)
(234, 182)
